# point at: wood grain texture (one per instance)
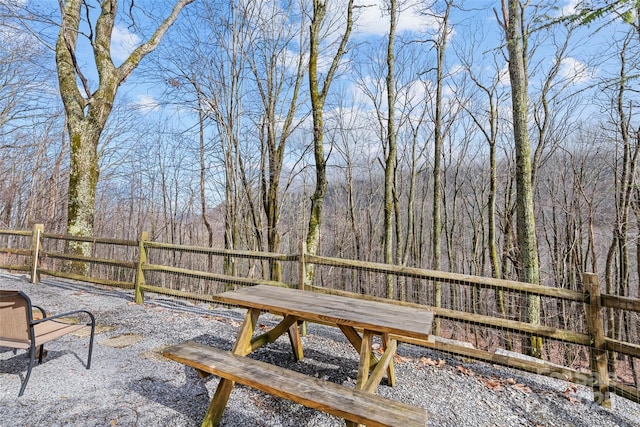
(344, 402)
(376, 316)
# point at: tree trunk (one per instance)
(438, 142)
(390, 161)
(318, 97)
(525, 220)
(87, 112)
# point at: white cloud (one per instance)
(575, 71)
(372, 21)
(146, 104)
(569, 8)
(123, 42)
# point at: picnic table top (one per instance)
(376, 316)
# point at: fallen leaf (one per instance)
(521, 387)
(427, 361)
(401, 359)
(464, 370)
(567, 394)
(493, 384)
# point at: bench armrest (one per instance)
(67, 314)
(41, 310)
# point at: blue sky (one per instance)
(371, 25)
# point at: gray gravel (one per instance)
(130, 384)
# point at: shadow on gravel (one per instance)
(188, 399)
(316, 363)
(18, 363)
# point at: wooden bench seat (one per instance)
(344, 402)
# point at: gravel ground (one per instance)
(131, 384)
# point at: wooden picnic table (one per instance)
(360, 320)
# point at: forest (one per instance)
(487, 138)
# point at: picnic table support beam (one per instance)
(391, 370)
(385, 362)
(296, 342)
(290, 325)
(356, 341)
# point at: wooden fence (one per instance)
(147, 266)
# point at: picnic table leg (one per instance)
(363, 367)
(218, 402)
(391, 370)
(296, 342)
(242, 348)
(365, 359)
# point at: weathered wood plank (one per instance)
(344, 402)
(381, 317)
(623, 347)
(247, 281)
(445, 313)
(622, 303)
(442, 276)
(222, 252)
(624, 390)
(104, 261)
(90, 239)
(82, 278)
(176, 293)
(16, 251)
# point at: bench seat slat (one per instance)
(344, 402)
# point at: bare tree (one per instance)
(529, 270)
(318, 93)
(278, 75)
(87, 110)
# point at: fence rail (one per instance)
(163, 268)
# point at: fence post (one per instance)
(302, 268)
(302, 274)
(142, 259)
(598, 349)
(36, 247)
